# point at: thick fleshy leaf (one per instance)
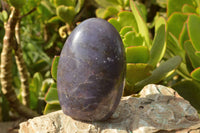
(66, 13)
(160, 21)
(51, 96)
(184, 35)
(54, 67)
(79, 5)
(194, 28)
(197, 53)
(137, 54)
(189, 90)
(64, 2)
(142, 10)
(190, 68)
(126, 18)
(106, 12)
(196, 74)
(3, 16)
(115, 23)
(176, 5)
(45, 86)
(51, 108)
(106, 3)
(133, 39)
(54, 20)
(160, 72)
(188, 9)
(159, 46)
(125, 30)
(142, 27)
(161, 3)
(137, 72)
(175, 23)
(100, 12)
(174, 47)
(194, 59)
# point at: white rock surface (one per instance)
(158, 109)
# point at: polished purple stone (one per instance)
(91, 71)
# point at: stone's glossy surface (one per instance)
(91, 70)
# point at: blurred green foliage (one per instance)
(160, 37)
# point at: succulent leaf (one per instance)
(106, 12)
(137, 72)
(160, 21)
(3, 16)
(184, 35)
(189, 90)
(125, 30)
(160, 72)
(64, 2)
(54, 19)
(193, 29)
(174, 47)
(195, 74)
(130, 20)
(54, 67)
(188, 9)
(66, 13)
(137, 54)
(195, 60)
(51, 96)
(79, 5)
(115, 23)
(176, 5)
(158, 46)
(51, 108)
(141, 24)
(133, 39)
(175, 23)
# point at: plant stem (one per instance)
(23, 72)
(6, 66)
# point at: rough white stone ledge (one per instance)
(158, 109)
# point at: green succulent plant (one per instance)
(174, 50)
(143, 54)
(110, 8)
(183, 25)
(61, 11)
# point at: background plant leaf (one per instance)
(137, 54)
(195, 60)
(130, 19)
(142, 27)
(193, 29)
(196, 74)
(160, 72)
(188, 9)
(66, 13)
(137, 72)
(51, 96)
(189, 90)
(54, 67)
(176, 5)
(175, 23)
(133, 39)
(158, 46)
